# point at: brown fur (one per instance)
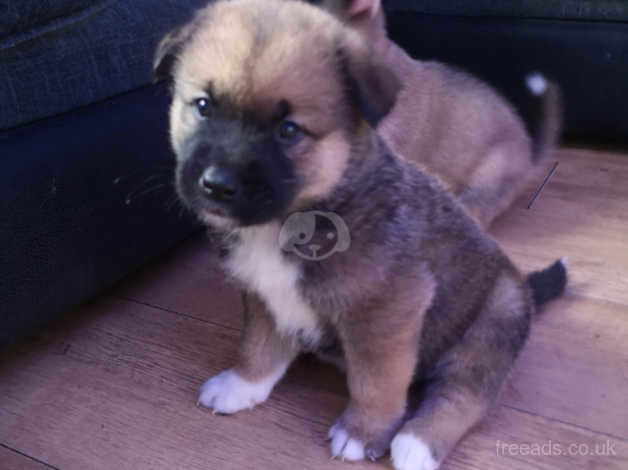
(421, 295)
(453, 124)
(383, 337)
(262, 350)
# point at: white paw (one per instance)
(411, 453)
(229, 393)
(344, 446)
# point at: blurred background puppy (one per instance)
(457, 126)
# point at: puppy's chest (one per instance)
(256, 259)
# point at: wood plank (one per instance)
(11, 460)
(116, 387)
(189, 280)
(575, 366)
(582, 214)
(488, 446)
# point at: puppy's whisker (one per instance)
(145, 192)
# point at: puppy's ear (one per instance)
(350, 9)
(167, 51)
(373, 88)
(359, 7)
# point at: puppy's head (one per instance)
(270, 100)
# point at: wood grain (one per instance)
(583, 214)
(12, 460)
(189, 279)
(114, 384)
(116, 389)
(575, 366)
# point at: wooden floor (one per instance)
(114, 385)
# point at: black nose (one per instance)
(219, 184)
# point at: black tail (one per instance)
(548, 283)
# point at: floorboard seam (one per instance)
(566, 423)
(11, 449)
(181, 314)
(617, 303)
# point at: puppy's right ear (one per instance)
(167, 51)
(351, 9)
(374, 88)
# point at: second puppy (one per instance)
(457, 126)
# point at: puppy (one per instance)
(273, 114)
(456, 126)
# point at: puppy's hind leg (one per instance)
(463, 385)
(497, 182)
(264, 358)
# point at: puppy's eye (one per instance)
(289, 132)
(203, 107)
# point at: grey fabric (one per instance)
(22, 20)
(96, 52)
(589, 10)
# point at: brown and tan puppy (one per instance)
(458, 127)
(345, 249)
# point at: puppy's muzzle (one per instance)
(219, 184)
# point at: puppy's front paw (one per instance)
(229, 393)
(409, 452)
(344, 446)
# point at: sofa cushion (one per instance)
(596, 10)
(85, 199)
(78, 52)
(26, 19)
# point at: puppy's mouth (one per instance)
(215, 212)
(217, 218)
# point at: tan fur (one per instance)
(324, 165)
(460, 131)
(451, 123)
(388, 341)
(263, 350)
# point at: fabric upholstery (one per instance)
(85, 198)
(583, 10)
(100, 49)
(21, 20)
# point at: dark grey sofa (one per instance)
(86, 168)
(85, 192)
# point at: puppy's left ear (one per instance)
(359, 7)
(374, 89)
(167, 51)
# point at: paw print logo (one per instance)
(314, 235)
